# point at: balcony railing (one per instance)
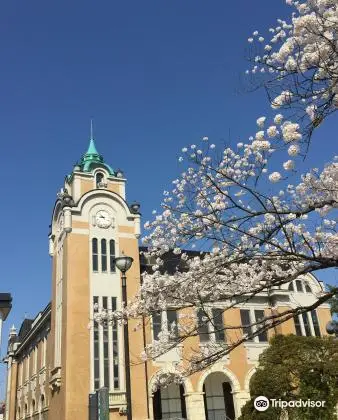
(117, 399)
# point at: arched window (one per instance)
(307, 287)
(299, 286)
(103, 255)
(95, 257)
(99, 178)
(218, 399)
(33, 406)
(42, 401)
(169, 403)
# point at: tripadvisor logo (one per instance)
(262, 403)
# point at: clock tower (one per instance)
(92, 223)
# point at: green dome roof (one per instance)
(92, 159)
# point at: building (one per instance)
(56, 361)
(5, 308)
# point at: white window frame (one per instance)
(110, 350)
(207, 312)
(303, 282)
(254, 327)
(35, 360)
(99, 254)
(164, 322)
(310, 321)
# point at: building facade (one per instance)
(57, 360)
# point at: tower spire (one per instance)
(92, 159)
(91, 129)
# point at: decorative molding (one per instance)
(254, 350)
(55, 379)
(221, 368)
(117, 399)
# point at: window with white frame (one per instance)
(102, 252)
(44, 352)
(27, 368)
(20, 373)
(165, 321)
(210, 325)
(105, 348)
(249, 317)
(115, 348)
(169, 403)
(112, 256)
(103, 255)
(300, 286)
(96, 349)
(35, 360)
(95, 255)
(307, 324)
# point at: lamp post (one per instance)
(123, 263)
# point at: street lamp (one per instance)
(123, 263)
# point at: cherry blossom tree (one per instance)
(298, 66)
(252, 229)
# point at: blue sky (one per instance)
(154, 75)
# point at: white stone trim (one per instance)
(248, 377)
(80, 231)
(219, 367)
(169, 369)
(188, 389)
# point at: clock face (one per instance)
(103, 219)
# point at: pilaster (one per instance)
(195, 405)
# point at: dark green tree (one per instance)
(294, 368)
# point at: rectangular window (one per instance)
(307, 288)
(315, 323)
(96, 350)
(297, 325)
(112, 255)
(103, 255)
(259, 315)
(299, 286)
(44, 352)
(20, 370)
(245, 321)
(95, 257)
(105, 347)
(171, 402)
(35, 360)
(217, 316)
(172, 322)
(202, 328)
(157, 324)
(115, 349)
(306, 324)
